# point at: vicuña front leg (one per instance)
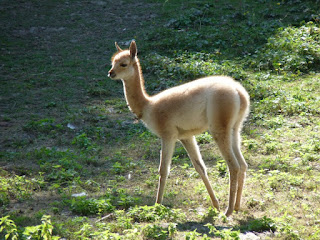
(167, 147)
(192, 148)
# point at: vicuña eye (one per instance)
(123, 65)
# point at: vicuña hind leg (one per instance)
(224, 141)
(191, 147)
(243, 166)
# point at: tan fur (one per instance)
(217, 103)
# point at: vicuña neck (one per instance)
(135, 93)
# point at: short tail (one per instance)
(244, 106)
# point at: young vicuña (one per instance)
(218, 104)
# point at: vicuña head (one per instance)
(123, 62)
(217, 103)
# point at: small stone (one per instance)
(248, 236)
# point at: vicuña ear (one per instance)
(117, 46)
(133, 49)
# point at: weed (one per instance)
(204, 138)
(152, 231)
(189, 66)
(84, 142)
(192, 235)
(154, 213)
(19, 187)
(122, 167)
(279, 179)
(120, 198)
(222, 167)
(254, 203)
(90, 206)
(38, 232)
(291, 49)
(123, 221)
(43, 126)
(43, 231)
(261, 225)
(62, 171)
(211, 215)
(9, 228)
(251, 144)
(227, 234)
(284, 225)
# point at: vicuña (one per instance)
(217, 103)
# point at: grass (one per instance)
(74, 163)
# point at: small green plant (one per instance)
(186, 66)
(123, 221)
(154, 213)
(85, 231)
(153, 231)
(19, 187)
(192, 235)
(204, 138)
(117, 168)
(261, 225)
(42, 231)
(121, 163)
(4, 198)
(8, 228)
(61, 175)
(291, 49)
(211, 215)
(90, 206)
(120, 198)
(222, 167)
(84, 142)
(44, 126)
(227, 234)
(38, 232)
(251, 144)
(284, 225)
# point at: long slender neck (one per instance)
(135, 93)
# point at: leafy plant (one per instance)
(211, 215)
(291, 49)
(9, 228)
(120, 198)
(42, 231)
(261, 225)
(186, 66)
(222, 167)
(204, 138)
(38, 232)
(90, 206)
(154, 213)
(84, 142)
(152, 231)
(19, 187)
(227, 234)
(44, 126)
(192, 235)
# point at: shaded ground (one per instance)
(65, 127)
(62, 50)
